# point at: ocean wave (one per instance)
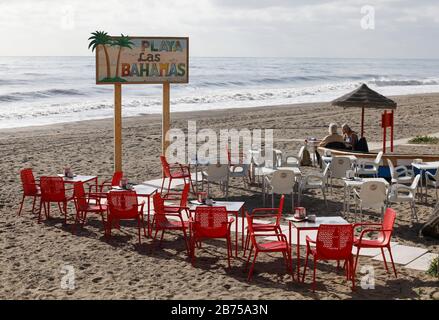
(403, 82)
(41, 94)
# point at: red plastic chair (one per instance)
(53, 191)
(279, 245)
(210, 223)
(382, 241)
(123, 205)
(30, 188)
(183, 197)
(88, 203)
(175, 171)
(114, 182)
(161, 222)
(266, 227)
(334, 242)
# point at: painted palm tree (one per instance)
(122, 42)
(101, 38)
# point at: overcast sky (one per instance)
(287, 28)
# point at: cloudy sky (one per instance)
(287, 28)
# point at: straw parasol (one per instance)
(364, 97)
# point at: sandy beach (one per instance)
(32, 254)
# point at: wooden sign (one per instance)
(147, 60)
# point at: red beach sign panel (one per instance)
(127, 60)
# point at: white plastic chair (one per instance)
(282, 182)
(240, 171)
(338, 168)
(432, 180)
(216, 173)
(400, 193)
(313, 181)
(400, 174)
(372, 195)
(293, 161)
(369, 168)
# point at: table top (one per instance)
(231, 206)
(77, 178)
(317, 223)
(359, 181)
(426, 165)
(142, 190)
(266, 171)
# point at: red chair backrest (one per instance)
(334, 241)
(185, 195)
(388, 223)
(52, 189)
(280, 209)
(210, 222)
(123, 204)
(28, 182)
(165, 166)
(159, 209)
(79, 196)
(117, 178)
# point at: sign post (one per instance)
(117, 127)
(166, 116)
(139, 60)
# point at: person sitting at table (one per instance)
(350, 137)
(333, 140)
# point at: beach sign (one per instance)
(139, 60)
(142, 60)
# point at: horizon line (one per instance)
(242, 57)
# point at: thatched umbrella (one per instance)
(364, 97)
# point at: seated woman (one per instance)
(350, 137)
(333, 140)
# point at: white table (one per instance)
(349, 184)
(423, 167)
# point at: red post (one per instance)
(391, 131)
(383, 124)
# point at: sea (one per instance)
(46, 90)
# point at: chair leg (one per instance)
(39, 213)
(163, 183)
(186, 240)
(356, 259)
(21, 205)
(169, 184)
(33, 204)
(248, 259)
(384, 259)
(314, 275)
(250, 273)
(305, 267)
(228, 250)
(352, 273)
(391, 259)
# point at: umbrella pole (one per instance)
(362, 122)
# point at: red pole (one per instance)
(362, 122)
(391, 132)
(384, 130)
